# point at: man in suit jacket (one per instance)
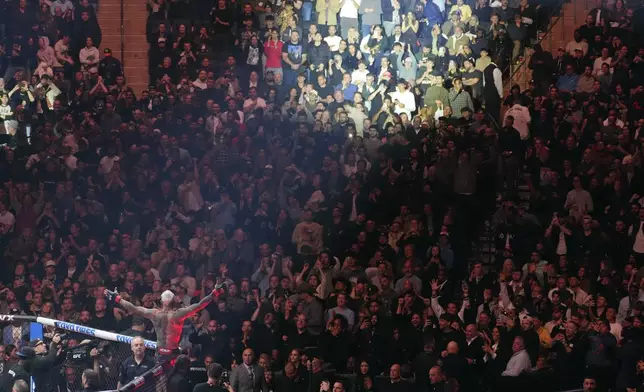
(600, 13)
(248, 376)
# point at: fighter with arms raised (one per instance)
(168, 322)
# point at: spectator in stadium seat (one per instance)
(89, 56)
(520, 360)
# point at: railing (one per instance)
(79, 340)
(552, 19)
(123, 33)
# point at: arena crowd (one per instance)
(333, 164)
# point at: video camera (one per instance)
(224, 379)
(81, 352)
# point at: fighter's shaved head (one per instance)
(167, 297)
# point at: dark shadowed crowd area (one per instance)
(382, 216)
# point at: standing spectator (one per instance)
(294, 55)
(349, 16)
(109, 67)
(248, 376)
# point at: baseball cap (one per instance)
(107, 51)
(161, 39)
(35, 343)
(27, 352)
(50, 263)
(268, 167)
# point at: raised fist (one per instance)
(112, 295)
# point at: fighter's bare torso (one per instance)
(168, 328)
(168, 322)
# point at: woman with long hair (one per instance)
(378, 40)
(353, 36)
(410, 28)
(352, 58)
(498, 350)
(364, 378)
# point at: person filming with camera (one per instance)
(215, 381)
(41, 363)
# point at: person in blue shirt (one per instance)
(433, 14)
(567, 82)
(348, 89)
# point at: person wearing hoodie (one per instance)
(433, 14)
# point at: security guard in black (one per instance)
(137, 364)
(130, 369)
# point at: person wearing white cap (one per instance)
(167, 321)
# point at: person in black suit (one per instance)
(473, 350)
(299, 336)
(213, 342)
(248, 376)
(600, 14)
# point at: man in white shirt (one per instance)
(6, 218)
(349, 16)
(604, 58)
(332, 39)
(64, 5)
(404, 100)
(522, 118)
(253, 102)
(342, 310)
(200, 83)
(520, 360)
(62, 51)
(613, 120)
(107, 162)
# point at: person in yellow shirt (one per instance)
(545, 341)
(464, 9)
